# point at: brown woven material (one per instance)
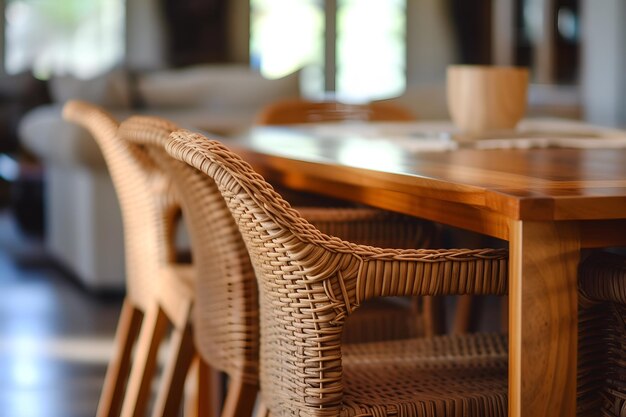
(148, 205)
(603, 324)
(309, 283)
(292, 111)
(226, 312)
(443, 375)
(155, 283)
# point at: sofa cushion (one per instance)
(57, 142)
(220, 88)
(109, 90)
(228, 123)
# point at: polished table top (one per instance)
(547, 202)
(395, 166)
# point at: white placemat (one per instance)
(433, 136)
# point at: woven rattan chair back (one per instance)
(147, 220)
(226, 311)
(309, 283)
(293, 111)
(602, 326)
(157, 291)
(300, 111)
(226, 320)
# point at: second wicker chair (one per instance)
(602, 326)
(159, 290)
(310, 283)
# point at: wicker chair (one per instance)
(226, 310)
(159, 291)
(309, 285)
(295, 111)
(602, 293)
(298, 111)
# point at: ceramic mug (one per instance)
(485, 98)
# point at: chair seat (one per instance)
(440, 376)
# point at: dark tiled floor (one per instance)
(55, 337)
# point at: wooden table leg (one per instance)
(543, 318)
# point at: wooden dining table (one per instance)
(547, 199)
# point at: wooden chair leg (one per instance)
(117, 370)
(468, 310)
(434, 316)
(190, 399)
(152, 332)
(261, 409)
(240, 399)
(210, 392)
(504, 318)
(172, 384)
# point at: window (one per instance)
(367, 38)
(78, 37)
(286, 36)
(370, 48)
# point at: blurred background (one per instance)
(213, 64)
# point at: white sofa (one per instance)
(84, 227)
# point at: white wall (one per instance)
(603, 78)
(430, 42)
(145, 35)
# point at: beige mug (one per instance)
(486, 99)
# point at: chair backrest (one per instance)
(294, 111)
(148, 206)
(226, 323)
(309, 283)
(602, 332)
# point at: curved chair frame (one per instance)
(159, 292)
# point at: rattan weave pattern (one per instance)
(149, 207)
(408, 378)
(603, 291)
(226, 312)
(310, 282)
(159, 291)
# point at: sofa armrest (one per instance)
(55, 141)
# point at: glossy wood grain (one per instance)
(473, 189)
(548, 203)
(543, 318)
